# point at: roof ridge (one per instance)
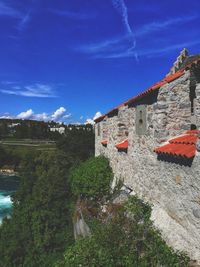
(152, 88)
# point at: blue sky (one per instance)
(67, 60)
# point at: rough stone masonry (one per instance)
(166, 110)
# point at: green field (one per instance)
(27, 144)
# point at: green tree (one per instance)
(78, 142)
(40, 227)
(92, 178)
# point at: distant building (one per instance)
(152, 141)
(12, 125)
(61, 130)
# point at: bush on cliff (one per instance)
(92, 178)
(127, 239)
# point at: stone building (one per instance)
(152, 143)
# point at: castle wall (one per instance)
(197, 106)
(173, 109)
(173, 190)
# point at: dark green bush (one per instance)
(92, 178)
(127, 240)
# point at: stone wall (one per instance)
(172, 112)
(197, 105)
(173, 190)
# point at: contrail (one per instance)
(123, 11)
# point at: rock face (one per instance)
(81, 229)
(172, 189)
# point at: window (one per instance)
(141, 123)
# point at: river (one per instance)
(8, 185)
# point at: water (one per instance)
(8, 185)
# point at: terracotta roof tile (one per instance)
(193, 131)
(180, 150)
(100, 118)
(104, 142)
(123, 145)
(154, 87)
(188, 139)
(174, 76)
(181, 146)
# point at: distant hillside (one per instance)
(32, 129)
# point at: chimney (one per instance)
(179, 61)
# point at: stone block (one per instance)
(196, 213)
(185, 105)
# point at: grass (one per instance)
(18, 144)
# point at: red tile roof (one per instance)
(100, 118)
(174, 76)
(188, 139)
(180, 150)
(181, 146)
(154, 87)
(193, 131)
(123, 145)
(104, 142)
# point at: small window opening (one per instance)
(192, 106)
(141, 123)
(192, 97)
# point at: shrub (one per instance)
(128, 239)
(92, 178)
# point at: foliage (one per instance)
(16, 129)
(127, 240)
(40, 226)
(91, 178)
(3, 156)
(40, 229)
(78, 142)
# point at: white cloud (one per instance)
(161, 25)
(67, 116)
(58, 114)
(41, 117)
(6, 117)
(26, 115)
(98, 114)
(164, 50)
(123, 11)
(35, 90)
(91, 121)
(8, 11)
(119, 47)
(24, 22)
